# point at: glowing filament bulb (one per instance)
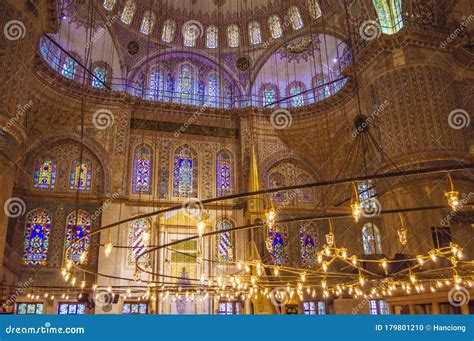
(276, 271)
(384, 264)
(109, 288)
(413, 278)
(457, 279)
(325, 266)
(361, 280)
(68, 264)
(271, 215)
(201, 227)
(83, 257)
(420, 260)
(344, 253)
(320, 258)
(146, 237)
(356, 211)
(303, 277)
(354, 260)
(73, 281)
(300, 286)
(453, 199)
(94, 287)
(433, 256)
(108, 249)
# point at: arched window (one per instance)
(168, 31)
(308, 247)
(225, 242)
(78, 226)
(157, 83)
(367, 194)
(109, 4)
(390, 15)
(314, 9)
(233, 36)
(148, 22)
(275, 27)
(213, 92)
(371, 239)
(278, 236)
(305, 195)
(190, 35)
(295, 92)
(36, 240)
(212, 37)
(186, 83)
(138, 233)
(45, 173)
(295, 18)
(228, 96)
(269, 96)
(277, 180)
(321, 87)
(255, 33)
(224, 173)
(99, 77)
(81, 175)
(185, 172)
(142, 170)
(69, 68)
(128, 12)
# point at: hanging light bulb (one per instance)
(271, 215)
(303, 277)
(83, 284)
(201, 227)
(412, 278)
(433, 256)
(146, 236)
(330, 239)
(402, 232)
(344, 253)
(68, 264)
(83, 257)
(94, 287)
(73, 281)
(452, 195)
(325, 266)
(354, 260)
(276, 271)
(420, 259)
(384, 264)
(361, 280)
(108, 249)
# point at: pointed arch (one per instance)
(168, 31)
(295, 18)
(314, 9)
(274, 23)
(371, 239)
(45, 173)
(305, 195)
(186, 83)
(295, 92)
(156, 83)
(390, 15)
(185, 172)
(128, 12)
(148, 21)
(142, 177)
(138, 234)
(233, 36)
(81, 175)
(308, 246)
(277, 244)
(36, 238)
(224, 173)
(255, 33)
(109, 4)
(212, 37)
(213, 89)
(277, 180)
(78, 226)
(225, 251)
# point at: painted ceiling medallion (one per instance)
(299, 46)
(243, 63)
(133, 47)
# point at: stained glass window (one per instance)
(275, 27)
(45, 173)
(45, 48)
(255, 33)
(233, 36)
(69, 68)
(378, 307)
(366, 193)
(277, 180)
(371, 239)
(269, 97)
(390, 15)
(99, 77)
(138, 233)
(135, 308)
(308, 247)
(142, 170)
(185, 173)
(278, 236)
(295, 18)
(307, 194)
(157, 82)
(228, 96)
(309, 308)
(78, 226)
(148, 22)
(213, 89)
(71, 309)
(190, 35)
(229, 308)
(314, 9)
(170, 86)
(168, 31)
(128, 12)
(225, 244)
(224, 173)
(322, 87)
(81, 175)
(29, 308)
(109, 4)
(186, 83)
(36, 239)
(139, 87)
(212, 37)
(296, 95)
